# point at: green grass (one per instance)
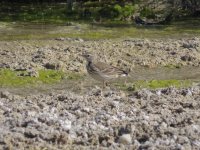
(106, 30)
(173, 66)
(13, 79)
(155, 84)
(96, 32)
(9, 78)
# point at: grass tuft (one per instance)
(13, 79)
(155, 84)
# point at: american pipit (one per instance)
(102, 71)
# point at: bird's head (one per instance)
(88, 56)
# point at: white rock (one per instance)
(158, 92)
(145, 117)
(32, 113)
(1, 103)
(164, 125)
(196, 127)
(136, 143)
(86, 109)
(125, 139)
(66, 124)
(196, 142)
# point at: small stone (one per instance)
(114, 104)
(86, 109)
(187, 58)
(32, 113)
(79, 40)
(125, 139)
(158, 92)
(60, 39)
(51, 66)
(5, 94)
(33, 73)
(196, 142)
(164, 125)
(31, 133)
(137, 143)
(186, 92)
(66, 124)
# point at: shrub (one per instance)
(116, 11)
(128, 10)
(118, 8)
(147, 12)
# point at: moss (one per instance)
(12, 78)
(155, 84)
(73, 76)
(166, 83)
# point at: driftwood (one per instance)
(140, 21)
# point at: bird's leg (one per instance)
(103, 84)
(106, 83)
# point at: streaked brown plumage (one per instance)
(102, 71)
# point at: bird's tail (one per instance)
(125, 73)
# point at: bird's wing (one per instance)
(108, 69)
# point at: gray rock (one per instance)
(6, 94)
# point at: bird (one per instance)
(102, 71)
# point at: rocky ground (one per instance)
(64, 53)
(159, 119)
(166, 118)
